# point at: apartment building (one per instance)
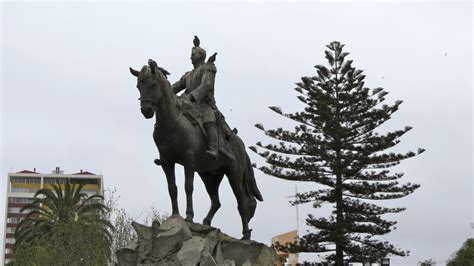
(21, 188)
(284, 258)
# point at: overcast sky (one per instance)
(68, 99)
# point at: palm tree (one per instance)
(64, 207)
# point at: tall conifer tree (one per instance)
(336, 146)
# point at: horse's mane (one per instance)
(162, 74)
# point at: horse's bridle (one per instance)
(141, 99)
(145, 99)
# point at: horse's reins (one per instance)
(169, 137)
(146, 100)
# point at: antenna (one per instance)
(295, 259)
(297, 212)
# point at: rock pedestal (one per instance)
(177, 242)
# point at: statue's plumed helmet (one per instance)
(198, 50)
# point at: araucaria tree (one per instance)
(335, 145)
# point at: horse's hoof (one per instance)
(176, 215)
(246, 234)
(206, 222)
(188, 219)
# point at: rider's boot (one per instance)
(211, 131)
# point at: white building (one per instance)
(21, 188)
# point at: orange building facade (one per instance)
(283, 257)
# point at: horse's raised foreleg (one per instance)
(235, 180)
(212, 183)
(168, 168)
(188, 188)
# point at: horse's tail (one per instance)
(249, 178)
(250, 187)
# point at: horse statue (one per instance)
(180, 141)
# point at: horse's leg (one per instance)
(235, 179)
(168, 168)
(212, 183)
(188, 188)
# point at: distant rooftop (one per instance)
(27, 172)
(55, 171)
(84, 173)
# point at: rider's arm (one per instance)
(207, 83)
(180, 84)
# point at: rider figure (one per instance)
(199, 89)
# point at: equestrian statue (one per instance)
(190, 131)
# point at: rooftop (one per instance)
(55, 171)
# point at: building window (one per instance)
(21, 200)
(10, 240)
(26, 180)
(24, 189)
(8, 251)
(14, 220)
(84, 181)
(10, 230)
(14, 210)
(89, 192)
(54, 180)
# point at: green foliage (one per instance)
(124, 232)
(336, 146)
(64, 226)
(68, 244)
(427, 262)
(464, 256)
(121, 220)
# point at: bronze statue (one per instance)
(199, 87)
(182, 124)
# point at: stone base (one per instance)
(177, 242)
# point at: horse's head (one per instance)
(150, 85)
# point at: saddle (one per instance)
(193, 113)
